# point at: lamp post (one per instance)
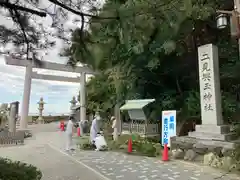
(222, 21)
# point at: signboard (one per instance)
(168, 126)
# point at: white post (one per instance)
(118, 118)
(82, 97)
(26, 96)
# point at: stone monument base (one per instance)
(201, 146)
(40, 121)
(207, 139)
(217, 154)
(213, 132)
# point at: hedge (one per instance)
(16, 170)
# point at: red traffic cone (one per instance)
(78, 132)
(130, 145)
(165, 153)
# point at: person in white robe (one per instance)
(69, 134)
(114, 126)
(94, 129)
(100, 142)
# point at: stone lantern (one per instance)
(73, 105)
(41, 103)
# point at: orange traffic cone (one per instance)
(78, 131)
(165, 153)
(130, 145)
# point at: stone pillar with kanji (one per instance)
(40, 119)
(212, 127)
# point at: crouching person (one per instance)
(100, 142)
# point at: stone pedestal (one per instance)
(13, 116)
(213, 132)
(212, 127)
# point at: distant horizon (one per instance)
(47, 114)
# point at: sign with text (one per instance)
(169, 126)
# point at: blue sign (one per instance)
(168, 126)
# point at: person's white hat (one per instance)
(113, 118)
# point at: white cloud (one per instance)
(12, 81)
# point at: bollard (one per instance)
(78, 131)
(165, 153)
(62, 126)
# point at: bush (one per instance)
(140, 146)
(84, 143)
(143, 147)
(16, 170)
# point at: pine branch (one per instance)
(78, 12)
(21, 8)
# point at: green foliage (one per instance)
(144, 148)
(14, 170)
(151, 52)
(141, 146)
(3, 115)
(84, 143)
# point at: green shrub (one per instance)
(16, 170)
(84, 143)
(159, 148)
(143, 147)
(140, 146)
(147, 149)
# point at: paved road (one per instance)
(46, 150)
(54, 165)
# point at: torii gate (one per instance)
(29, 75)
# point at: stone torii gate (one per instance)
(29, 75)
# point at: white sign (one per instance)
(168, 126)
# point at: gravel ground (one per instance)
(46, 151)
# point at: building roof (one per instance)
(136, 104)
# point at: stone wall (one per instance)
(218, 154)
(32, 119)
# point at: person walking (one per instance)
(69, 134)
(93, 130)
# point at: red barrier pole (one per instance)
(78, 131)
(130, 145)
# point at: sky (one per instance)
(55, 94)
